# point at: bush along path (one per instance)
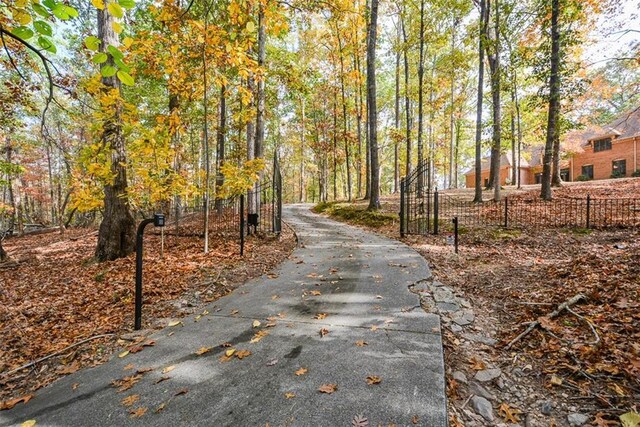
(334, 336)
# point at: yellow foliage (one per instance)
(240, 179)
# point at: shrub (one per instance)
(618, 175)
(636, 173)
(583, 178)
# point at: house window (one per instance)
(601, 145)
(565, 175)
(619, 168)
(587, 170)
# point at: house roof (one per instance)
(626, 125)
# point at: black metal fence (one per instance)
(423, 211)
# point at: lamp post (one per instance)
(158, 221)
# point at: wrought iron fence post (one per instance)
(455, 233)
(506, 212)
(402, 211)
(588, 210)
(435, 212)
(242, 225)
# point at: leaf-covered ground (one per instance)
(54, 294)
(586, 360)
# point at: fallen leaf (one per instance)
(175, 323)
(630, 419)
(130, 400)
(415, 420)
(374, 328)
(316, 293)
(272, 276)
(373, 380)
(289, 395)
(135, 348)
(28, 423)
(274, 297)
(168, 369)
(234, 312)
(69, 369)
(256, 323)
(477, 364)
(137, 413)
(203, 350)
(258, 336)
(128, 367)
(360, 421)
(126, 383)
(323, 332)
(320, 316)
(361, 343)
(181, 391)
(617, 389)
(143, 370)
(509, 414)
(123, 354)
(230, 352)
(556, 380)
(161, 379)
(160, 407)
(242, 354)
(328, 388)
(75, 386)
(149, 343)
(379, 297)
(272, 362)
(301, 371)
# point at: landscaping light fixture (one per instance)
(158, 221)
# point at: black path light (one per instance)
(158, 221)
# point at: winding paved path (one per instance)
(362, 280)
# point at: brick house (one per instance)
(607, 152)
(506, 171)
(596, 153)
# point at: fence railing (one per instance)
(424, 212)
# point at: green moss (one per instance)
(504, 234)
(355, 214)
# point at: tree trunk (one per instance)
(207, 161)
(481, 42)
(3, 254)
(396, 166)
(554, 102)
(116, 237)
(514, 163)
(556, 179)
(335, 146)
(374, 202)
(451, 114)
(301, 197)
(494, 64)
(420, 94)
(261, 93)
(220, 151)
(407, 99)
(345, 127)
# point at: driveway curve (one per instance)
(339, 313)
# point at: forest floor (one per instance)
(577, 368)
(54, 294)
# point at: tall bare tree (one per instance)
(554, 102)
(372, 32)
